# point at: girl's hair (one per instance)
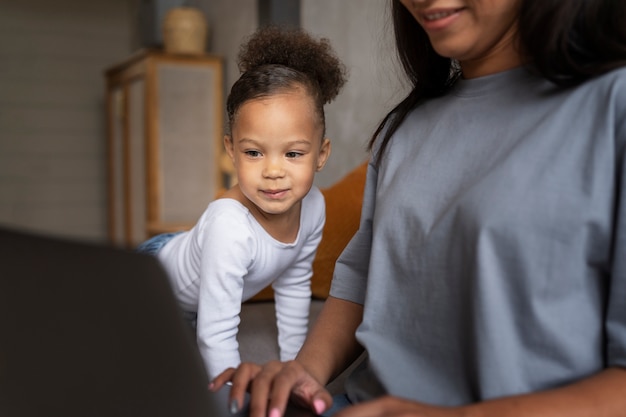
(276, 60)
(567, 42)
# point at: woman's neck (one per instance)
(505, 57)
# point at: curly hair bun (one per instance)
(296, 49)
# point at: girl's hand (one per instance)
(271, 386)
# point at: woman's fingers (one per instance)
(240, 380)
(295, 383)
(219, 381)
(271, 387)
(261, 387)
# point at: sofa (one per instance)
(257, 331)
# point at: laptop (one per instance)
(92, 330)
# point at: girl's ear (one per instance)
(324, 154)
(229, 147)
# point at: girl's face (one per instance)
(276, 147)
(480, 34)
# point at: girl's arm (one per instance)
(292, 290)
(226, 255)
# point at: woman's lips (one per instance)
(439, 19)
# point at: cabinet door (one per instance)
(127, 166)
(187, 140)
(135, 189)
(165, 143)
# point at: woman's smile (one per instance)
(437, 19)
(480, 34)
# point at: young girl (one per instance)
(488, 276)
(265, 229)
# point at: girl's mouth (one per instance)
(275, 194)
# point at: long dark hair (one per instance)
(567, 42)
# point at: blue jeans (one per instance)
(152, 246)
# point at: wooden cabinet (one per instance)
(165, 153)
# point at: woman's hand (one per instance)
(271, 386)
(244, 374)
(329, 348)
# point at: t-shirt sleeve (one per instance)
(616, 311)
(350, 275)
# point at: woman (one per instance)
(488, 276)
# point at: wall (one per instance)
(358, 31)
(52, 131)
(52, 140)
(230, 22)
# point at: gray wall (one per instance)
(52, 140)
(52, 130)
(357, 29)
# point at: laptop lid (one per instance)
(93, 331)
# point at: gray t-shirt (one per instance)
(491, 257)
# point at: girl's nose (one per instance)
(273, 169)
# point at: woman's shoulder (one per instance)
(607, 92)
(611, 81)
(616, 74)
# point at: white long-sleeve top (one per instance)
(226, 259)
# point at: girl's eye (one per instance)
(293, 154)
(253, 154)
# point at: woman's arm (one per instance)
(601, 395)
(331, 345)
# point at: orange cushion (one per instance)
(343, 214)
